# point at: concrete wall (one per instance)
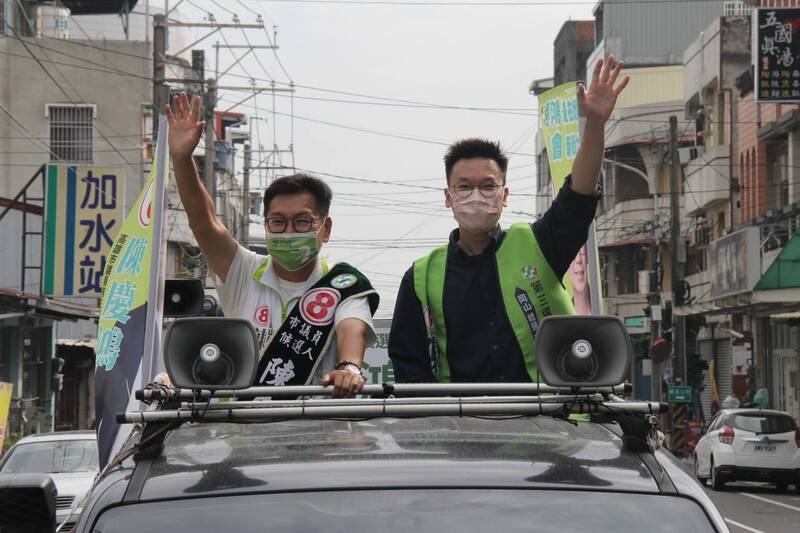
(653, 32)
(573, 45)
(87, 76)
(650, 85)
(753, 157)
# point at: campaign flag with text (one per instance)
(129, 332)
(5, 406)
(560, 125)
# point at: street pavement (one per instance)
(757, 507)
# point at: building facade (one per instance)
(70, 100)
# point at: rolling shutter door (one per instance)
(724, 354)
(706, 347)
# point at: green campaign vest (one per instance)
(529, 287)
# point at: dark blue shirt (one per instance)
(481, 346)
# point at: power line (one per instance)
(461, 3)
(63, 91)
(77, 24)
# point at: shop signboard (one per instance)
(735, 263)
(776, 54)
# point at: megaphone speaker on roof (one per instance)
(582, 351)
(183, 297)
(211, 353)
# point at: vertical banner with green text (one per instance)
(559, 123)
(129, 330)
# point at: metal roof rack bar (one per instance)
(389, 389)
(565, 398)
(357, 408)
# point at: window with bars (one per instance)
(733, 9)
(71, 132)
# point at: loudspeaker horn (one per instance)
(211, 353)
(183, 297)
(582, 351)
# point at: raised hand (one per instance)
(598, 102)
(184, 129)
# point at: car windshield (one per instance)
(442, 510)
(53, 457)
(764, 423)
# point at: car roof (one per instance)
(59, 435)
(755, 410)
(525, 452)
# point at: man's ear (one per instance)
(326, 229)
(447, 202)
(505, 196)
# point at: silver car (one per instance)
(69, 458)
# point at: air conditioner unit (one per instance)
(702, 235)
(687, 154)
(644, 282)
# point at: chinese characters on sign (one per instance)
(776, 55)
(83, 216)
(125, 284)
(377, 366)
(558, 112)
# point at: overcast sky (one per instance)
(464, 56)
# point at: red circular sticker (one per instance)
(262, 316)
(318, 306)
(146, 207)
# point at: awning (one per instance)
(81, 343)
(45, 307)
(786, 316)
(781, 127)
(642, 241)
(781, 281)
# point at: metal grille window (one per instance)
(733, 9)
(71, 132)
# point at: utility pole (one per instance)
(160, 89)
(677, 247)
(654, 300)
(246, 196)
(208, 167)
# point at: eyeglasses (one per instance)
(300, 224)
(462, 191)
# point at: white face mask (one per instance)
(476, 213)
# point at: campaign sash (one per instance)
(295, 351)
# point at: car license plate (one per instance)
(767, 448)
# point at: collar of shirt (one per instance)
(269, 277)
(497, 236)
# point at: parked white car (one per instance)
(68, 457)
(749, 445)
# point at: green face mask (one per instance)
(293, 251)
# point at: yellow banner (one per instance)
(83, 216)
(558, 121)
(5, 407)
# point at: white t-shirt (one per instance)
(266, 301)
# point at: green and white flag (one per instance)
(129, 334)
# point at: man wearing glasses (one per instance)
(468, 311)
(313, 321)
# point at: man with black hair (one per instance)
(313, 321)
(469, 310)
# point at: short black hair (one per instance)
(298, 184)
(475, 148)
